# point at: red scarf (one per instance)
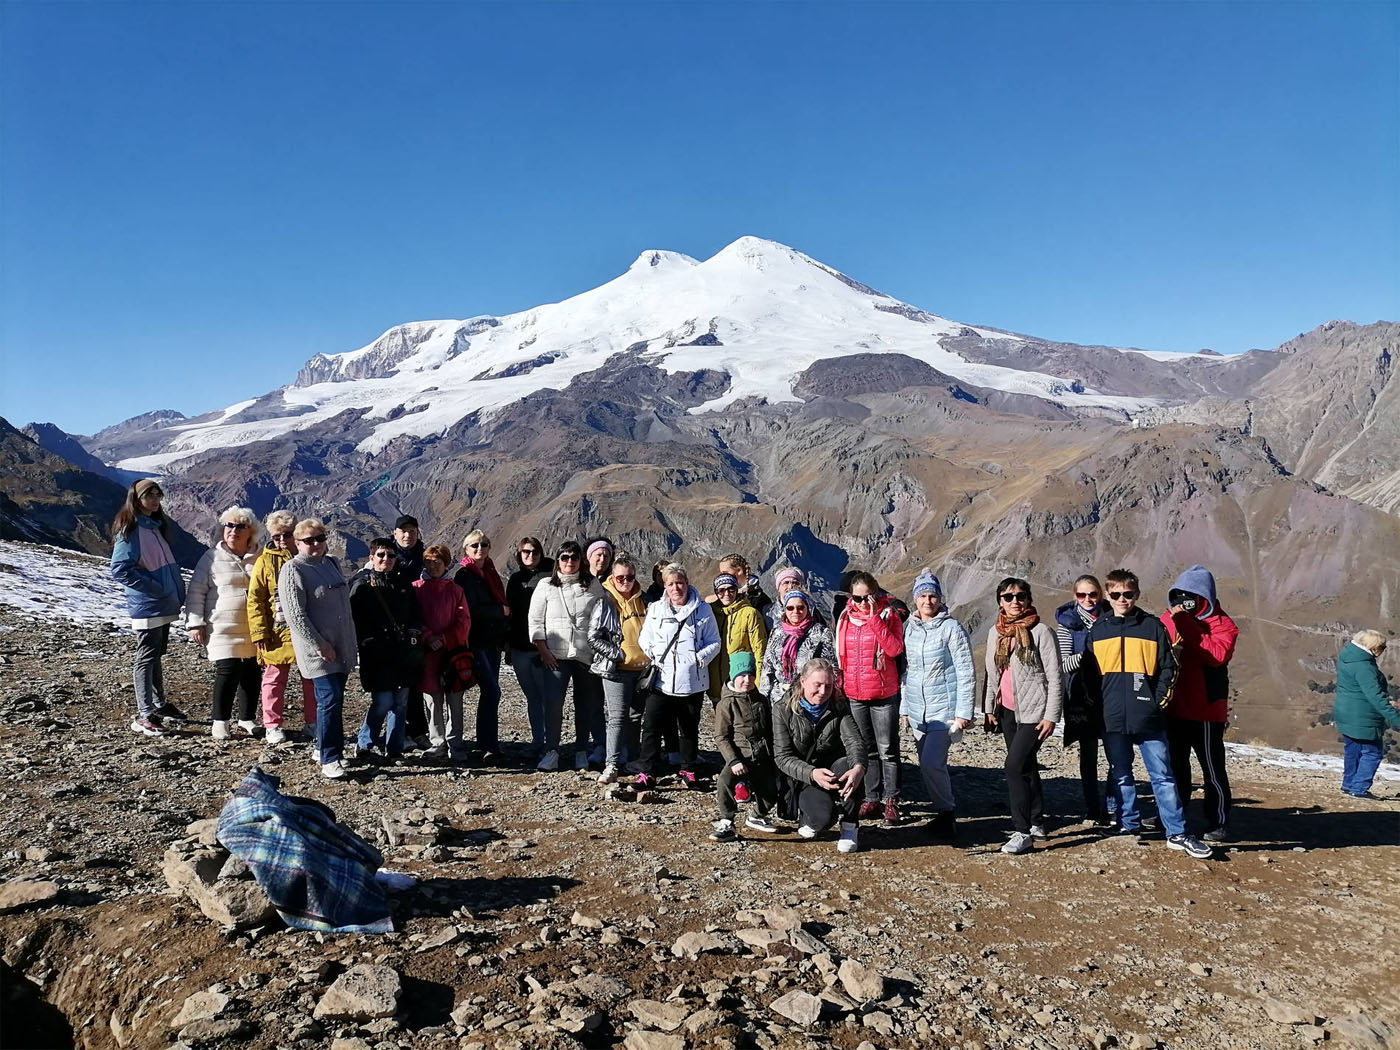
(486, 569)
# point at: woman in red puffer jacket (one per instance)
(869, 636)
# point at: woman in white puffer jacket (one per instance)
(216, 616)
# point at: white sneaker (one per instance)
(332, 771)
(549, 763)
(1019, 842)
(806, 831)
(315, 756)
(219, 730)
(724, 831)
(274, 735)
(849, 841)
(1038, 831)
(608, 775)
(581, 761)
(758, 823)
(247, 725)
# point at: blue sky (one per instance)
(196, 197)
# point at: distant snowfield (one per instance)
(773, 311)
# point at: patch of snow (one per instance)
(1174, 355)
(1271, 756)
(50, 583)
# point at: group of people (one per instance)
(807, 708)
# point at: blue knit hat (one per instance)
(741, 663)
(927, 583)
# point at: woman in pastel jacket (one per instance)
(268, 627)
(144, 565)
(936, 692)
(1362, 711)
(216, 617)
(741, 629)
(797, 638)
(446, 623)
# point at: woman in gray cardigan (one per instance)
(1022, 694)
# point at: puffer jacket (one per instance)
(1038, 691)
(742, 630)
(218, 600)
(938, 676)
(1361, 709)
(143, 564)
(490, 623)
(743, 726)
(801, 745)
(867, 652)
(817, 643)
(559, 617)
(684, 669)
(1129, 670)
(266, 623)
(1203, 642)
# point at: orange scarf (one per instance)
(1018, 630)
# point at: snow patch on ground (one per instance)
(51, 583)
(1271, 756)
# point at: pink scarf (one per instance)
(486, 569)
(795, 633)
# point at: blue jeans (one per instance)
(588, 706)
(530, 673)
(1156, 756)
(330, 699)
(389, 705)
(1360, 760)
(488, 702)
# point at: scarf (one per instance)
(795, 633)
(812, 711)
(1017, 630)
(486, 569)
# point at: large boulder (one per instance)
(193, 871)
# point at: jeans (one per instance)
(878, 722)
(817, 807)
(623, 707)
(685, 711)
(1094, 805)
(931, 741)
(330, 700)
(1156, 756)
(1027, 795)
(1360, 760)
(488, 703)
(1207, 740)
(145, 669)
(274, 687)
(530, 673)
(588, 707)
(386, 705)
(446, 731)
(762, 779)
(235, 675)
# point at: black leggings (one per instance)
(1022, 774)
(684, 711)
(241, 676)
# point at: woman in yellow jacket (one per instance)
(271, 635)
(741, 628)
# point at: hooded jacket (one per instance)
(559, 617)
(684, 669)
(1203, 641)
(266, 623)
(143, 563)
(1361, 708)
(867, 652)
(218, 600)
(742, 629)
(938, 681)
(614, 632)
(520, 588)
(743, 726)
(1128, 670)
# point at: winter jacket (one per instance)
(143, 564)
(1038, 691)
(743, 726)
(266, 623)
(1128, 670)
(614, 632)
(817, 643)
(490, 624)
(684, 670)
(442, 611)
(742, 629)
(867, 652)
(1083, 719)
(938, 677)
(387, 628)
(316, 602)
(218, 600)
(1362, 709)
(559, 617)
(801, 745)
(408, 566)
(1203, 642)
(520, 588)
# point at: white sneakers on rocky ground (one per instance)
(608, 775)
(333, 770)
(849, 839)
(757, 823)
(274, 735)
(1019, 842)
(1038, 831)
(146, 727)
(549, 763)
(806, 831)
(219, 730)
(315, 757)
(248, 726)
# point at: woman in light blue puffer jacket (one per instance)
(936, 692)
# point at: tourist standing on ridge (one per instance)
(408, 548)
(1083, 719)
(388, 628)
(447, 625)
(741, 628)
(533, 567)
(869, 637)
(1203, 641)
(936, 693)
(798, 638)
(1022, 694)
(1128, 670)
(144, 565)
(316, 603)
(486, 599)
(271, 636)
(614, 632)
(1362, 711)
(216, 617)
(784, 580)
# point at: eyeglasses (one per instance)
(726, 590)
(385, 554)
(474, 546)
(566, 557)
(1122, 596)
(1086, 594)
(312, 539)
(1013, 596)
(237, 526)
(629, 578)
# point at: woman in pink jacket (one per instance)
(869, 635)
(447, 623)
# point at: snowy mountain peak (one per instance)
(657, 259)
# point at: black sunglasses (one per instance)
(1014, 596)
(534, 552)
(237, 526)
(566, 557)
(1086, 594)
(313, 539)
(1119, 596)
(385, 554)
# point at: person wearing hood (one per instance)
(936, 692)
(614, 632)
(216, 617)
(271, 636)
(1362, 711)
(531, 567)
(1083, 720)
(680, 636)
(1203, 640)
(388, 626)
(798, 638)
(741, 627)
(490, 612)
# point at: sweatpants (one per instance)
(1207, 741)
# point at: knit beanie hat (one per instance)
(927, 583)
(726, 579)
(740, 663)
(785, 580)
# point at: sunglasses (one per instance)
(385, 554)
(566, 557)
(533, 552)
(237, 526)
(629, 578)
(1014, 596)
(1121, 596)
(726, 590)
(282, 536)
(1086, 594)
(795, 608)
(476, 546)
(312, 539)
(862, 599)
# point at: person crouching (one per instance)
(744, 735)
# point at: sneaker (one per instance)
(943, 826)
(869, 810)
(1363, 794)
(146, 727)
(274, 735)
(581, 761)
(608, 775)
(1019, 843)
(170, 713)
(1038, 831)
(1151, 825)
(247, 725)
(806, 831)
(1103, 820)
(889, 818)
(219, 730)
(689, 781)
(333, 771)
(1191, 846)
(724, 831)
(315, 757)
(1220, 834)
(849, 841)
(644, 782)
(549, 763)
(757, 823)
(437, 752)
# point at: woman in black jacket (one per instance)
(387, 625)
(533, 567)
(486, 601)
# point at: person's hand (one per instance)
(961, 723)
(904, 721)
(739, 769)
(199, 635)
(990, 720)
(825, 779)
(547, 658)
(850, 780)
(327, 652)
(261, 647)
(1176, 610)
(1044, 729)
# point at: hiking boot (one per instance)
(170, 713)
(889, 818)
(274, 735)
(724, 831)
(849, 840)
(1220, 834)
(1191, 846)
(1019, 843)
(943, 826)
(333, 771)
(806, 831)
(549, 763)
(870, 810)
(146, 727)
(757, 823)
(1038, 831)
(219, 730)
(608, 775)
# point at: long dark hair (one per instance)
(585, 577)
(125, 521)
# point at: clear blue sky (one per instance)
(199, 196)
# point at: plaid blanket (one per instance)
(318, 874)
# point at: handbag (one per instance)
(457, 672)
(646, 683)
(411, 653)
